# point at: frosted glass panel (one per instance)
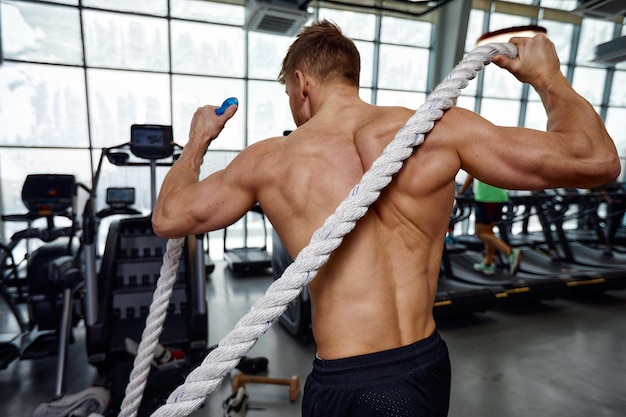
(618, 91)
(400, 98)
(366, 50)
(406, 32)
(268, 111)
(468, 103)
(206, 49)
(500, 83)
(155, 7)
(114, 40)
(589, 83)
(536, 117)
(265, 54)
(42, 105)
(69, 2)
(501, 112)
(560, 4)
(617, 128)
(403, 68)
(208, 11)
(118, 99)
(474, 28)
(360, 26)
(592, 33)
(366, 95)
(502, 21)
(39, 32)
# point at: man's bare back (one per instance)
(376, 292)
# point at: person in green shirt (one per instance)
(489, 201)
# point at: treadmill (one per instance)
(457, 298)
(609, 268)
(522, 287)
(248, 260)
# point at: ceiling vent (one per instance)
(601, 9)
(612, 52)
(276, 17)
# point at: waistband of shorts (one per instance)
(378, 365)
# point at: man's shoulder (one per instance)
(263, 154)
(265, 145)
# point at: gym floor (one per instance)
(563, 357)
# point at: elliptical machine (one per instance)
(120, 285)
(51, 285)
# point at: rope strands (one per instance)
(154, 326)
(222, 360)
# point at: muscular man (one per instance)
(377, 345)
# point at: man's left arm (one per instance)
(188, 206)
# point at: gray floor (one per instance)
(564, 357)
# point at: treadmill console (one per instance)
(151, 141)
(120, 197)
(48, 194)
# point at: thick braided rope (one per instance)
(222, 360)
(154, 326)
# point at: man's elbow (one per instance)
(163, 228)
(604, 172)
(611, 168)
(158, 227)
(615, 169)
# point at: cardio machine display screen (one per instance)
(48, 193)
(120, 196)
(151, 141)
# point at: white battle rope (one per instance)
(222, 360)
(152, 331)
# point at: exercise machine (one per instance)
(52, 283)
(297, 317)
(522, 287)
(119, 201)
(249, 260)
(120, 286)
(606, 267)
(549, 268)
(455, 297)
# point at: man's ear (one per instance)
(303, 83)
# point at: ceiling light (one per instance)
(503, 35)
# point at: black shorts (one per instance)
(488, 213)
(411, 381)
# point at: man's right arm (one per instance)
(538, 65)
(575, 149)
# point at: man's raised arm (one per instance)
(574, 151)
(180, 208)
(569, 114)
